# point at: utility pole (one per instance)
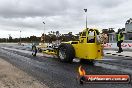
(9, 37)
(44, 31)
(86, 17)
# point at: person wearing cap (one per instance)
(120, 39)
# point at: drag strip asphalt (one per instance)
(56, 74)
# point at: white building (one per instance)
(127, 31)
(128, 25)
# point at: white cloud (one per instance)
(62, 15)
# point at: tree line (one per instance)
(51, 36)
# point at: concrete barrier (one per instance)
(114, 46)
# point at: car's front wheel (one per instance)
(34, 50)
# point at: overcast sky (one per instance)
(61, 15)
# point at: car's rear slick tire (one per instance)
(66, 53)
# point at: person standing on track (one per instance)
(120, 39)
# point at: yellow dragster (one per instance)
(87, 48)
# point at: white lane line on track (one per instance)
(38, 54)
(124, 54)
(107, 66)
(51, 56)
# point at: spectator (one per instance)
(120, 38)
